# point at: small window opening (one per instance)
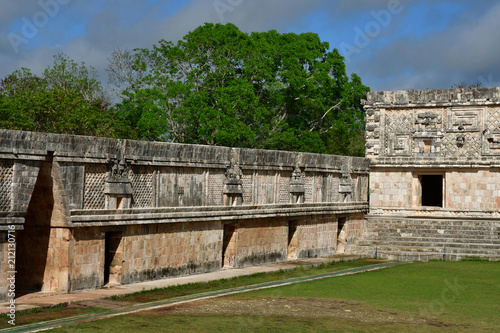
(427, 146)
(432, 190)
(119, 203)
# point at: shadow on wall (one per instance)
(33, 242)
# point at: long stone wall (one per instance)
(434, 163)
(91, 211)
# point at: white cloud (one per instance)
(467, 50)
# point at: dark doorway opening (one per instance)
(293, 240)
(229, 245)
(32, 243)
(113, 257)
(432, 190)
(341, 235)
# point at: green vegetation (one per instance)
(62, 311)
(420, 297)
(66, 98)
(220, 86)
(454, 292)
(216, 86)
(239, 281)
(44, 314)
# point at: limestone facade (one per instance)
(434, 174)
(91, 211)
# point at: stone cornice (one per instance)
(204, 214)
(432, 98)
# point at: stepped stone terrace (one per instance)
(434, 174)
(80, 212)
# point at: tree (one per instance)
(66, 98)
(465, 85)
(122, 75)
(220, 86)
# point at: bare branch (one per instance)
(336, 106)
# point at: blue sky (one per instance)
(390, 44)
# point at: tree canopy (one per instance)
(216, 86)
(220, 86)
(66, 98)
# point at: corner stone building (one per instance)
(434, 174)
(91, 211)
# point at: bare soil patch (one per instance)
(297, 307)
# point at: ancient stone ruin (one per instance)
(434, 174)
(81, 212)
(91, 211)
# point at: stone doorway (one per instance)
(229, 245)
(33, 242)
(341, 235)
(293, 240)
(432, 190)
(113, 258)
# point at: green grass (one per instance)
(421, 297)
(240, 324)
(43, 314)
(467, 291)
(202, 287)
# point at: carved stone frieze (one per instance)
(345, 185)
(463, 121)
(297, 181)
(428, 121)
(233, 185)
(491, 132)
(118, 187)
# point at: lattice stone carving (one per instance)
(492, 132)
(142, 186)
(309, 186)
(399, 126)
(471, 146)
(95, 181)
(6, 177)
(215, 187)
(284, 187)
(247, 181)
(399, 121)
(492, 121)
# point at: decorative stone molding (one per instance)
(118, 187)
(233, 186)
(460, 140)
(297, 186)
(104, 174)
(345, 186)
(428, 121)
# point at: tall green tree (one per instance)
(66, 98)
(220, 86)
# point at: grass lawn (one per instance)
(246, 280)
(46, 314)
(39, 314)
(421, 297)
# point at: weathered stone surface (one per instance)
(441, 144)
(100, 210)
